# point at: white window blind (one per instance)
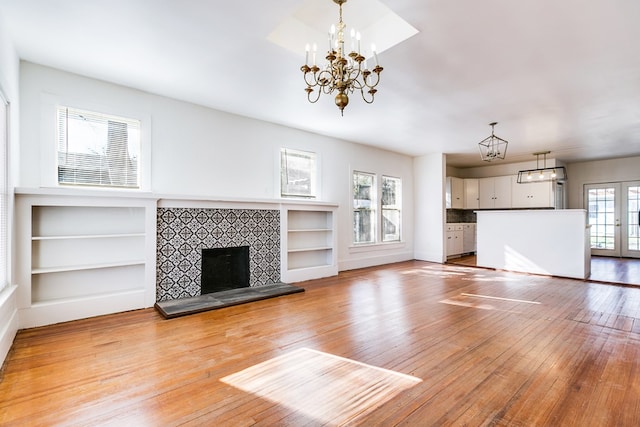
(4, 197)
(96, 149)
(297, 173)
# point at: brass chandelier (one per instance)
(344, 73)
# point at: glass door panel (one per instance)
(631, 218)
(614, 216)
(603, 211)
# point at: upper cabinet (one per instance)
(532, 195)
(455, 193)
(471, 196)
(495, 192)
(498, 192)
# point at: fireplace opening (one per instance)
(224, 269)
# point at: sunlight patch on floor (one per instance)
(498, 303)
(325, 387)
(500, 298)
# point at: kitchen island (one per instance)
(550, 242)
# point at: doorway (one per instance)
(613, 211)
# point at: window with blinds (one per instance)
(96, 149)
(297, 173)
(4, 196)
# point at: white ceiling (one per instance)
(556, 75)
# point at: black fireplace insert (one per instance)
(224, 269)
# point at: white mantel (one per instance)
(83, 253)
(550, 242)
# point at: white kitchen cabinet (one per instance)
(454, 234)
(468, 238)
(455, 193)
(495, 192)
(531, 194)
(471, 197)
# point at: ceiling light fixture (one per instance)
(492, 147)
(542, 174)
(344, 73)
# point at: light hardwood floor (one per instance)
(412, 343)
(603, 269)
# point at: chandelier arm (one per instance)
(369, 81)
(312, 83)
(311, 99)
(371, 92)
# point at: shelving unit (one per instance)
(309, 242)
(84, 256)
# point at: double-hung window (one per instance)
(95, 149)
(377, 210)
(364, 207)
(391, 208)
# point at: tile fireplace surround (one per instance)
(182, 233)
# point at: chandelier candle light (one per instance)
(343, 73)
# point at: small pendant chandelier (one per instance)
(492, 147)
(343, 73)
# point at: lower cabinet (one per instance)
(468, 238)
(454, 239)
(461, 238)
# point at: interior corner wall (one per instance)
(429, 202)
(598, 172)
(203, 152)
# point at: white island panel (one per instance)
(550, 242)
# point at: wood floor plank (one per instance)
(486, 348)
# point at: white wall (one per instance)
(499, 169)
(429, 200)
(9, 86)
(596, 172)
(204, 152)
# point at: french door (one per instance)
(613, 210)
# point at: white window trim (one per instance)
(378, 244)
(317, 177)
(400, 209)
(376, 208)
(48, 163)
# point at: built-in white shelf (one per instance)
(61, 269)
(84, 255)
(309, 243)
(88, 236)
(312, 249)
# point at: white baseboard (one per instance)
(371, 261)
(64, 310)
(8, 320)
(431, 257)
